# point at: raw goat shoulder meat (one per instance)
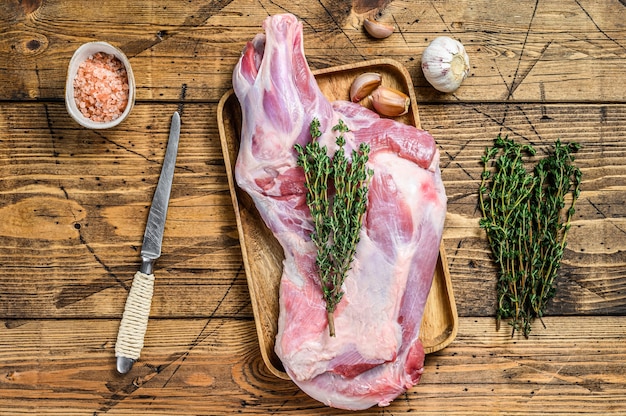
(376, 353)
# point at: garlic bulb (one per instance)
(445, 64)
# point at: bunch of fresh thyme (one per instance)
(337, 198)
(526, 225)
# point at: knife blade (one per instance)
(130, 337)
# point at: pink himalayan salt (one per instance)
(101, 87)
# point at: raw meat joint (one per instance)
(376, 354)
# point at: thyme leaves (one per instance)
(525, 218)
(337, 199)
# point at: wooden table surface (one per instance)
(73, 205)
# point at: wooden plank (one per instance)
(200, 366)
(594, 266)
(74, 204)
(526, 51)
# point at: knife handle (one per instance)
(135, 317)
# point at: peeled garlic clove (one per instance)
(445, 64)
(390, 102)
(376, 29)
(363, 85)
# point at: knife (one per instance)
(137, 309)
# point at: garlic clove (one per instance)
(445, 64)
(376, 29)
(363, 85)
(390, 102)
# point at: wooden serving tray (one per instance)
(263, 256)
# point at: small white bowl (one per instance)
(81, 54)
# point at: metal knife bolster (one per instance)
(134, 321)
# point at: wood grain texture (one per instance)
(263, 256)
(73, 205)
(76, 202)
(212, 366)
(555, 50)
(593, 270)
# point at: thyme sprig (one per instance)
(337, 199)
(524, 216)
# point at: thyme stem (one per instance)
(337, 199)
(522, 214)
